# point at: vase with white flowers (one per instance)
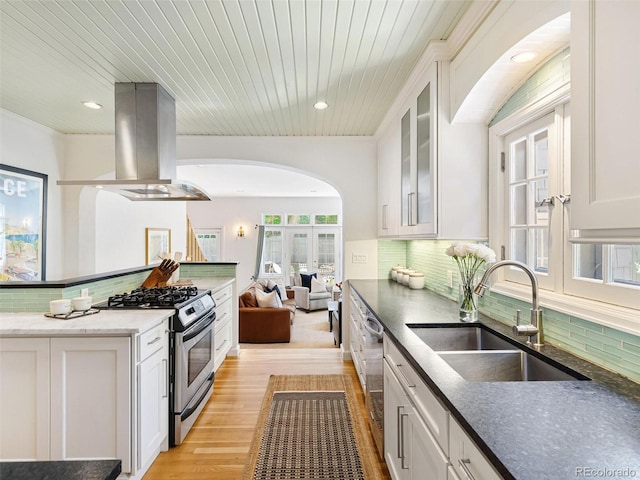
(469, 257)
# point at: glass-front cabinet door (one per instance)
(418, 162)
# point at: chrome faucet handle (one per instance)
(523, 330)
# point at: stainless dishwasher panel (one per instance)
(374, 394)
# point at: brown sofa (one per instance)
(264, 325)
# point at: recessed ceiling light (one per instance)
(94, 105)
(320, 105)
(523, 57)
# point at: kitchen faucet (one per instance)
(534, 329)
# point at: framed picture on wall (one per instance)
(23, 221)
(158, 244)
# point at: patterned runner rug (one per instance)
(310, 428)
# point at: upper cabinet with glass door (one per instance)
(432, 175)
(605, 168)
(417, 165)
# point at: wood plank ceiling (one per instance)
(237, 67)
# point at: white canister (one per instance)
(416, 280)
(81, 303)
(405, 276)
(394, 272)
(400, 275)
(60, 307)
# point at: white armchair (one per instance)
(307, 298)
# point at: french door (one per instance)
(313, 249)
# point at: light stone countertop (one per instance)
(212, 283)
(106, 322)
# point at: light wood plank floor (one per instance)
(217, 446)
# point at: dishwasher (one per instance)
(374, 390)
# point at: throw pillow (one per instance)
(268, 300)
(270, 284)
(306, 279)
(317, 286)
(283, 291)
(275, 288)
(248, 300)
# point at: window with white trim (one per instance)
(536, 209)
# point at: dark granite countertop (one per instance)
(528, 430)
(67, 470)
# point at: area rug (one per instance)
(310, 427)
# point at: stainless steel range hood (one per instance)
(145, 147)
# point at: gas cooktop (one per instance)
(157, 297)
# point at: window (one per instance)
(535, 201)
(531, 179)
(298, 219)
(326, 220)
(210, 242)
(272, 219)
(272, 252)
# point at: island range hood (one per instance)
(145, 134)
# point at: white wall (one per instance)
(230, 213)
(347, 163)
(507, 24)
(98, 230)
(28, 145)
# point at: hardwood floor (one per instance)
(217, 446)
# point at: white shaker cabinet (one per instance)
(24, 399)
(466, 458)
(418, 148)
(90, 399)
(86, 397)
(153, 394)
(223, 336)
(357, 316)
(605, 166)
(432, 175)
(389, 184)
(410, 448)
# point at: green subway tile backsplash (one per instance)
(613, 349)
(553, 74)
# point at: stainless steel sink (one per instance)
(460, 338)
(505, 366)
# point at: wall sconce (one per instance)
(241, 231)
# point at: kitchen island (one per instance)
(85, 388)
(527, 430)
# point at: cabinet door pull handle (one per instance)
(384, 216)
(166, 378)
(404, 377)
(221, 345)
(402, 417)
(412, 222)
(155, 340)
(464, 462)
(399, 429)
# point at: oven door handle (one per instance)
(194, 406)
(198, 328)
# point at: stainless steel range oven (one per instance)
(191, 348)
(191, 370)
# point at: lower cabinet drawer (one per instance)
(223, 312)
(427, 405)
(220, 296)
(151, 341)
(466, 458)
(222, 344)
